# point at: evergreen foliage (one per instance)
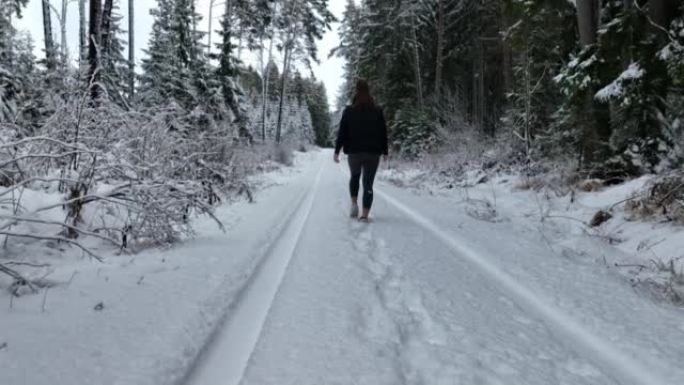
(114, 63)
(517, 69)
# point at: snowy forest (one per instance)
(594, 86)
(594, 83)
(144, 148)
(171, 210)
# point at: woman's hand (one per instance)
(336, 158)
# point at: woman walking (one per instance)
(363, 136)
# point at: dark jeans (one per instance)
(366, 164)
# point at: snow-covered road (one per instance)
(425, 295)
(298, 293)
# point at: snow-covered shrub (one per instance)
(282, 154)
(129, 177)
(413, 133)
(662, 198)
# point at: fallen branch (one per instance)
(16, 276)
(568, 218)
(53, 238)
(14, 219)
(87, 199)
(669, 194)
(13, 263)
(625, 200)
(30, 180)
(40, 138)
(48, 156)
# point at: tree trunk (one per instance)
(47, 32)
(439, 65)
(289, 41)
(506, 50)
(266, 75)
(94, 49)
(209, 31)
(528, 103)
(595, 122)
(63, 34)
(478, 86)
(416, 63)
(663, 11)
(105, 29)
(266, 80)
(283, 84)
(131, 50)
(82, 39)
(587, 20)
(241, 32)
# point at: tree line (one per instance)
(598, 82)
(181, 65)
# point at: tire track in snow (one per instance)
(621, 366)
(225, 360)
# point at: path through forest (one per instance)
(424, 295)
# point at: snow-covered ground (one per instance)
(645, 251)
(480, 285)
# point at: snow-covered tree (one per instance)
(301, 24)
(115, 67)
(175, 69)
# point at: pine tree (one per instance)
(317, 102)
(541, 38)
(616, 89)
(94, 58)
(175, 68)
(131, 49)
(349, 49)
(227, 71)
(159, 65)
(114, 65)
(12, 80)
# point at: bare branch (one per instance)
(52, 238)
(15, 219)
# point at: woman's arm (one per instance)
(383, 128)
(342, 132)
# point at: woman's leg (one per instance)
(370, 168)
(355, 171)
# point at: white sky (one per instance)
(330, 70)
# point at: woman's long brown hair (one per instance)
(362, 96)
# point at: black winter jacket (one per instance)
(362, 130)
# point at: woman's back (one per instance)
(363, 130)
